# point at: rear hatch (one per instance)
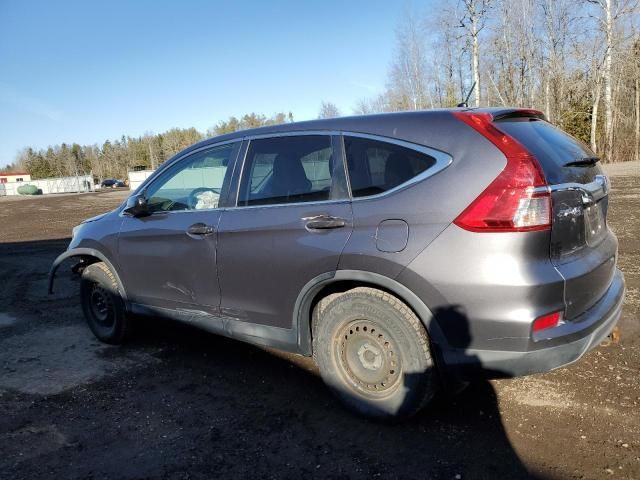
(582, 248)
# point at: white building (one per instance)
(80, 183)
(136, 177)
(14, 177)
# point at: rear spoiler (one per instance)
(517, 113)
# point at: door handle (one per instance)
(323, 222)
(200, 229)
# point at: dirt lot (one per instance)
(180, 403)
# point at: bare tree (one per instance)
(152, 146)
(409, 69)
(376, 104)
(636, 70)
(473, 20)
(515, 54)
(449, 62)
(557, 27)
(328, 110)
(610, 12)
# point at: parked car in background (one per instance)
(405, 252)
(112, 183)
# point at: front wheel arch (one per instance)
(92, 256)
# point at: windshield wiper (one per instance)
(582, 162)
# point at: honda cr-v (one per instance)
(402, 251)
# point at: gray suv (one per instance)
(405, 252)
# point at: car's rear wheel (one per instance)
(102, 304)
(373, 352)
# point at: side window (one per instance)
(194, 183)
(287, 169)
(375, 166)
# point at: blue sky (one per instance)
(84, 71)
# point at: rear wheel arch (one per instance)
(343, 280)
(90, 255)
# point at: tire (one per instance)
(103, 305)
(373, 352)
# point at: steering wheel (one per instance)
(193, 199)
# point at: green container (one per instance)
(28, 190)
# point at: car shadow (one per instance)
(459, 434)
(189, 404)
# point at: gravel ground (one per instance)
(180, 403)
(622, 168)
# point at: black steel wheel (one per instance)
(102, 304)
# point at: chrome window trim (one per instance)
(443, 160)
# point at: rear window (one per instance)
(375, 166)
(553, 148)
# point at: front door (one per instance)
(168, 259)
(292, 220)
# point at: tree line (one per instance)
(113, 159)
(578, 61)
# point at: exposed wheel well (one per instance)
(79, 262)
(87, 256)
(85, 261)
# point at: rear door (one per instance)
(583, 249)
(291, 223)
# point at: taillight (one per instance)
(514, 201)
(546, 321)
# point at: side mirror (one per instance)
(137, 206)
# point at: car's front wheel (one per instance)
(102, 304)
(374, 353)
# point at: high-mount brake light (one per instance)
(516, 200)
